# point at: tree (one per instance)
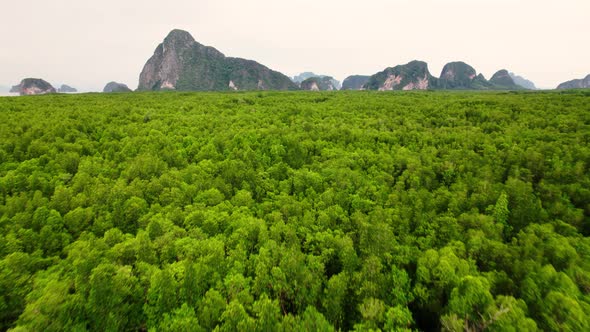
(161, 297)
(182, 319)
(473, 308)
(113, 300)
(235, 318)
(211, 309)
(268, 314)
(333, 301)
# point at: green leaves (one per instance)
(293, 211)
(162, 297)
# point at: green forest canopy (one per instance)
(295, 211)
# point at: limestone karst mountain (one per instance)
(325, 83)
(502, 80)
(116, 87)
(583, 83)
(459, 75)
(64, 88)
(303, 76)
(411, 76)
(298, 79)
(33, 86)
(355, 82)
(181, 63)
(455, 76)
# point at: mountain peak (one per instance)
(457, 75)
(355, 82)
(115, 87)
(33, 86)
(181, 63)
(412, 76)
(177, 40)
(502, 80)
(501, 73)
(178, 34)
(417, 63)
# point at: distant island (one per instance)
(33, 86)
(116, 87)
(64, 88)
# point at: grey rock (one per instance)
(66, 89)
(501, 80)
(181, 63)
(325, 83)
(355, 82)
(116, 87)
(33, 86)
(583, 83)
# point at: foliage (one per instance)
(294, 211)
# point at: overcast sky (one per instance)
(89, 43)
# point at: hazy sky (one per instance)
(87, 43)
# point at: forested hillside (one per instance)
(295, 211)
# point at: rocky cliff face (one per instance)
(457, 75)
(250, 75)
(115, 87)
(454, 76)
(355, 82)
(33, 86)
(181, 63)
(319, 84)
(583, 83)
(411, 76)
(298, 79)
(501, 80)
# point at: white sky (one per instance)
(88, 43)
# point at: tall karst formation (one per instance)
(181, 63)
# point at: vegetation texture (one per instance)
(295, 211)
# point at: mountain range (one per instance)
(181, 63)
(454, 76)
